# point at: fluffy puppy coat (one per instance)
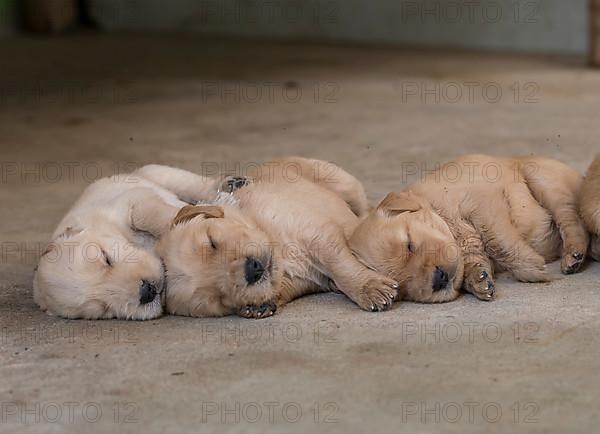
(100, 262)
(589, 205)
(517, 216)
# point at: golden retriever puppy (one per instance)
(407, 240)
(589, 205)
(513, 214)
(217, 262)
(100, 262)
(269, 238)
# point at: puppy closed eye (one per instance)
(107, 259)
(211, 242)
(410, 247)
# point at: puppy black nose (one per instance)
(440, 279)
(254, 270)
(147, 292)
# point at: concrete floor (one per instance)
(528, 361)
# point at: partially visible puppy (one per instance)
(407, 240)
(100, 262)
(589, 205)
(508, 213)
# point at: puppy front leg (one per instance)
(478, 273)
(188, 186)
(562, 204)
(148, 212)
(257, 311)
(290, 289)
(367, 288)
(293, 288)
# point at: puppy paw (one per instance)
(531, 273)
(377, 294)
(258, 311)
(233, 183)
(572, 261)
(479, 283)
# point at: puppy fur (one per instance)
(589, 206)
(293, 217)
(517, 216)
(205, 254)
(101, 256)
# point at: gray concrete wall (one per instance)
(557, 26)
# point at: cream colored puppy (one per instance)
(506, 213)
(589, 205)
(278, 234)
(100, 262)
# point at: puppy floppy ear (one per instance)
(399, 203)
(188, 212)
(69, 232)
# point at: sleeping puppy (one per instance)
(100, 262)
(269, 238)
(589, 205)
(217, 262)
(512, 214)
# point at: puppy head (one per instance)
(96, 273)
(217, 262)
(407, 240)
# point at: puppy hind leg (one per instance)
(189, 187)
(504, 245)
(334, 178)
(558, 196)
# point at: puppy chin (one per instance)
(448, 294)
(144, 312)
